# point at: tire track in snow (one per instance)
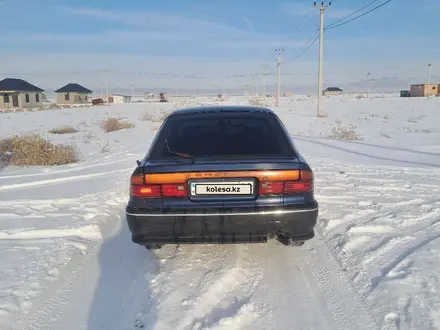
(399, 252)
(102, 289)
(146, 311)
(35, 184)
(51, 304)
(74, 168)
(226, 303)
(264, 286)
(205, 286)
(90, 232)
(48, 304)
(306, 289)
(53, 301)
(377, 220)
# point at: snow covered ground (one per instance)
(67, 261)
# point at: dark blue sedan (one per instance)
(222, 174)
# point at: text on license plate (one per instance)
(229, 188)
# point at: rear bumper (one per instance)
(221, 227)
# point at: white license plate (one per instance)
(222, 188)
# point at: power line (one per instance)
(308, 25)
(53, 73)
(352, 14)
(311, 42)
(359, 16)
(167, 75)
(238, 75)
(359, 71)
(293, 35)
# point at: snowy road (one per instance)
(67, 260)
(115, 284)
(121, 286)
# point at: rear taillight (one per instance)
(147, 191)
(271, 188)
(303, 185)
(139, 189)
(173, 190)
(277, 182)
(296, 187)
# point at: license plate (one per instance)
(240, 188)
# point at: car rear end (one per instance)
(221, 177)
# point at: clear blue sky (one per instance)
(242, 33)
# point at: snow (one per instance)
(67, 260)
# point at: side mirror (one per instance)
(138, 162)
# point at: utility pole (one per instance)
(264, 80)
(429, 79)
(279, 52)
(106, 85)
(132, 87)
(322, 7)
(258, 84)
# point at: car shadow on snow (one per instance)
(123, 298)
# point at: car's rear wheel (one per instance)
(153, 246)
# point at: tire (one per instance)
(153, 246)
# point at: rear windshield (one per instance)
(226, 135)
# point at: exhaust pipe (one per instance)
(283, 238)
(287, 240)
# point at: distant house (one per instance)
(420, 90)
(119, 99)
(17, 93)
(73, 94)
(332, 91)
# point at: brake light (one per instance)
(139, 189)
(295, 187)
(173, 190)
(271, 188)
(148, 191)
(303, 185)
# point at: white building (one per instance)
(119, 99)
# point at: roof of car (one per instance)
(222, 108)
